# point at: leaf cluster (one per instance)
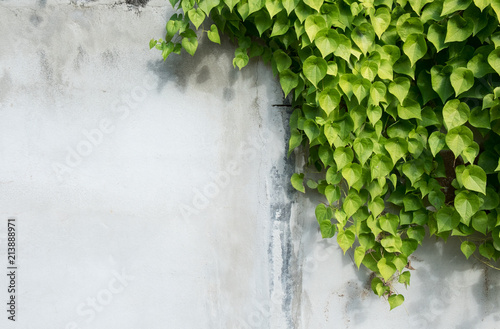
(397, 103)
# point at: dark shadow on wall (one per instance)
(444, 274)
(137, 2)
(205, 67)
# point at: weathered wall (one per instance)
(153, 194)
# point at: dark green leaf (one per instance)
(468, 248)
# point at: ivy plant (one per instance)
(396, 105)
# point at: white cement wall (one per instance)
(153, 194)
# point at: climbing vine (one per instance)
(397, 105)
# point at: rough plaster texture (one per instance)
(153, 194)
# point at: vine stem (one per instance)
(486, 263)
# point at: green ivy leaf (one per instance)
(255, 5)
(173, 2)
(404, 278)
(409, 246)
(361, 88)
(315, 4)
(343, 156)
(282, 60)
(415, 47)
(480, 222)
(380, 166)
(240, 58)
(197, 16)
(491, 200)
(213, 34)
(327, 229)
(288, 4)
(262, 21)
(395, 301)
(440, 79)
(386, 268)
(416, 233)
(437, 35)
(474, 178)
(452, 6)
(374, 114)
(313, 25)
(378, 91)
(397, 148)
(345, 239)
(369, 70)
(322, 212)
(494, 59)
(359, 255)
(455, 113)
(389, 223)
(189, 41)
(333, 176)
(468, 248)
(311, 129)
(399, 88)
(231, 4)
(447, 219)
(376, 206)
(281, 24)
(385, 70)
(466, 204)
(329, 99)
(381, 20)
(392, 243)
(461, 79)
(417, 5)
(470, 153)
(409, 110)
(378, 286)
(208, 5)
(364, 37)
(327, 41)
(408, 25)
(274, 6)
(187, 5)
(432, 11)
(332, 193)
(458, 139)
(363, 148)
(412, 202)
(288, 81)
(315, 69)
(436, 142)
(352, 203)
(480, 118)
(295, 140)
(458, 29)
(487, 250)
(479, 65)
(495, 4)
(352, 173)
(298, 182)
(481, 4)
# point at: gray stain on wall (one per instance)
(281, 197)
(137, 2)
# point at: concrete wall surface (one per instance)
(152, 194)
